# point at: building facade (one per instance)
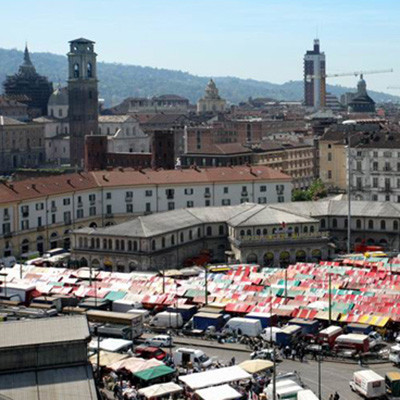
(82, 97)
(22, 144)
(37, 214)
(314, 77)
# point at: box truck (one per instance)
(368, 384)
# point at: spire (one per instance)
(27, 57)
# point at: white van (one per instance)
(143, 313)
(285, 389)
(183, 356)
(394, 355)
(244, 326)
(306, 395)
(167, 319)
(368, 383)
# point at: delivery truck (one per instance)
(288, 335)
(202, 321)
(329, 335)
(244, 326)
(266, 319)
(187, 311)
(352, 341)
(392, 382)
(368, 384)
(394, 354)
(308, 327)
(306, 395)
(285, 389)
(167, 319)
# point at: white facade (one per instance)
(375, 174)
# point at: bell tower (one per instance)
(82, 96)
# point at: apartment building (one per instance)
(38, 214)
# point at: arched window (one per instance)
(123, 245)
(346, 222)
(135, 246)
(110, 245)
(248, 233)
(153, 244)
(85, 240)
(92, 243)
(265, 231)
(117, 244)
(395, 226)
(296, 229)
(182, 237)
(80, 242)
(258, 232)
(173, 240)
(163, 242)
(311, 229)
(370, 224)
(105, 244)
(305, 229)
(89, 70)
(273, 231)
(198, 232)
(383, 224)
(76, 70)
(334, 223)
(209, 231)
(323, 223)
(242, 232)
(129, 245)
(97, 243)
(25, 246)
(221, 230)
(358, 223)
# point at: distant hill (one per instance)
(118, 81)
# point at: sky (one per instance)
(256, 39)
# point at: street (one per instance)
(334, 376)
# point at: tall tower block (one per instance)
(83, 97)
(314, 77)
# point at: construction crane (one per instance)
(355, 73)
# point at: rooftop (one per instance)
(115, 118)
(33, 332)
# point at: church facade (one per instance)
(212, 101)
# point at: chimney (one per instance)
(34, 186)
(120, 169)
(105, 178)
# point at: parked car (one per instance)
(160, 341)
(264, 354)
(148, 352)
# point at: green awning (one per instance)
(115, 295)
(194, 293)
(153, 373)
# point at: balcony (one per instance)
(53, 209)
(207, 195)
(244, 194)
(25, 214)
(6, 217)
(128, 199)
(92, 202)
(170, 196)
(8, 235)
(79, 204)
(285, 238)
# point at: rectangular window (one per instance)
(387, 166)
(92, 198)
(188, 191)
(375, 182)
(39, 221)
(79, 199)
(263, 188)
(108, 196)
(129, 195)
(171, 205)
(329, 156)
(244, 200)
(129, 208)
(359, 166)
(329, 174)
(79, 213)
(262, 200)
(281, 199)
(226, 202)
(170, 193)
(375, 166)
(39, 206)
(67, 217)
(374, 197)
(189, 204)
(109, 209)
(66, 201)
(25, 224)
(207, 190)
(207, 203)
(375, 154)
(226, 190)
(53, 218)
(6, 228)
(92, 211)
(279, 189)
(149, 193)
(25, 211)
(387, 154)
(148, 207)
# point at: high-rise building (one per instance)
(82, 97)
(314, 77)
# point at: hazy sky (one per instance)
(260, 39)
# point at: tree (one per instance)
(316, 191)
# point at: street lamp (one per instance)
(349, 127)
(319, 359)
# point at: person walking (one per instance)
(336, 396)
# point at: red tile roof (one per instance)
(59, 184)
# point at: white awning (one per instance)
(223, 392)
(214, 377)
(160, 390)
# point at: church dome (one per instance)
(59, 97)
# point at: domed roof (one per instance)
(59, 97)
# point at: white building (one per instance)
(36, 214)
